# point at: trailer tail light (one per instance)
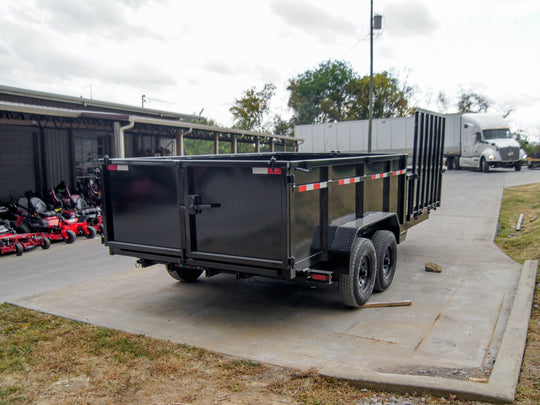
(321, 275)
(267, 170)
(114, 168)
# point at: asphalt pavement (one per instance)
(470, 321)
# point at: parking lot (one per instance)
(454, 329)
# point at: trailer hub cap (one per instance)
(387, 261)
(363, 273)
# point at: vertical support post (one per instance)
(234, 144)
(216, 144)
(324, 214)
(370, 104)
(258, 145)
(179, 142)
(359, 191)
(272, 145)
(72, 158)
(386, 188)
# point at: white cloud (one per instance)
(312, 20)
(408, 19)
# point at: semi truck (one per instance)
(325, 217)
(472, 140)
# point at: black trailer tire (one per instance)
(70, 236)
(91, 232)
(45, 243)
(386, 251)
(357, 286)
(185, 275)
(19, 249)
(484, 166)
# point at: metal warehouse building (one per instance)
(46, 138)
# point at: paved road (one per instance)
(455, 323)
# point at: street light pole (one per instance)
(373, 24)
(370, 104)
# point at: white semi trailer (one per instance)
(472, 140)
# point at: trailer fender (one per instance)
(341, 237)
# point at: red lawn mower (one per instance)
(32, 214)
(75, 206)
(11, 242)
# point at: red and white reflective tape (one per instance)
(350, 180)
(267, 170)
(121, 168)
(379, 176)
(313, 186)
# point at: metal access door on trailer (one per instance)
(235, 213)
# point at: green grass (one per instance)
(520, 246)
(525, 244)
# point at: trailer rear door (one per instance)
(235, 211)
(143, 206)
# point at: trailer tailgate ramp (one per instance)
(425, 185)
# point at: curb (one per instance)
(504, 377)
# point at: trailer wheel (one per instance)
(45, 243)
(484, 166)
(91, 232)
(185, 275)
(517, 167)
(70, 236)
(19, 249)
(386, 250)
(357, 286)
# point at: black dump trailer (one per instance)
(328, 217)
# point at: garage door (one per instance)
(17, 173)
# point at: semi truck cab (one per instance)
(486, 141)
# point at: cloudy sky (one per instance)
(188, 55)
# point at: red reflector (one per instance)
(276, 170)
(267, 170)
(112, 168)
(319, 277)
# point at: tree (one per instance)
(389, 99)
(469, 101)
(249, 110)
(334, 92)
(443, 102)
(321, 95)
(282, 127)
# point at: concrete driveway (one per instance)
(453, 330)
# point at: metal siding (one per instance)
(129, 145)
(57, 157)
(16, 161)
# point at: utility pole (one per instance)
(373, 24)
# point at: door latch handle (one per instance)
(194, 205)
